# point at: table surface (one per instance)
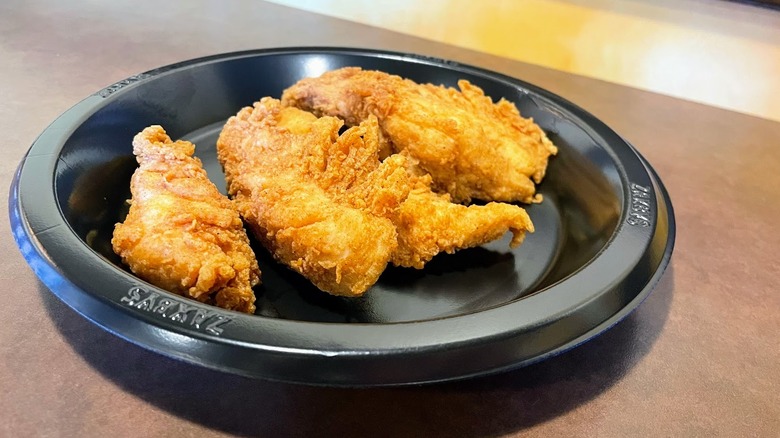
(701, 357)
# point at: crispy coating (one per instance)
(429, 223)
(472, 147)
(181, 234)
(326, 206)
(319, 201)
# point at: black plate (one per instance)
(605, 232)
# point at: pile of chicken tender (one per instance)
(346, 173)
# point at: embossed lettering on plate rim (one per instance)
(209, 321)
(641, 210)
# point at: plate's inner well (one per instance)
(581, 208)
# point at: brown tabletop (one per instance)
(700, 357)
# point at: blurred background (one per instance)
(721, 53)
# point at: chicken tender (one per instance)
(429, 223)
(472, 147)
(319, 201)
(181, 234)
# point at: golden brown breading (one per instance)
(429, 223)
(181, 234)
(325, 205)
(318, 201)
(472, 147)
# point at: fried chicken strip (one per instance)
(319, 201)
(472, 147)
(181, 234)
(429, 223)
